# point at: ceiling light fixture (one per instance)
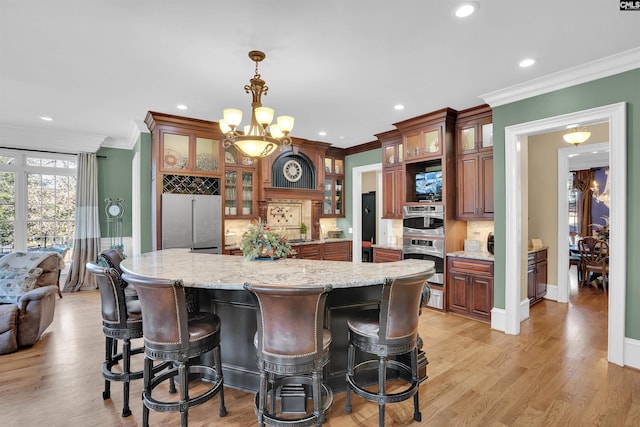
(256, 141)
(466, 9)
(46, 119)
(527, 63)
(398, 107)
(576, 137)
(182, 107)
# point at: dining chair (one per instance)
(595, 259)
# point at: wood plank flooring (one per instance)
(555, 373)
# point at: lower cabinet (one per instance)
(337, 251)
(536, 275)
(470, 287)
(311, 251)
(387, 255)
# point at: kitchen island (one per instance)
(216, 284)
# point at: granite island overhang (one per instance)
(216, 284)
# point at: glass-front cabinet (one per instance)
(238, 195)
(189, 153)
(424, 143)
(333, 204)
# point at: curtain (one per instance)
(86, 242)
(582, 182)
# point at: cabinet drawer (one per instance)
(471, 265)
(537, 256)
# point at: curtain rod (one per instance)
(45, 151)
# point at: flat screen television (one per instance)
(429, 186)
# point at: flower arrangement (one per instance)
(259, 241)
(602, 231)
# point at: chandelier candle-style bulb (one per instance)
(264, 116)
(232, 116)
(285, 123)
(256, 141)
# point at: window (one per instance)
(37, 200)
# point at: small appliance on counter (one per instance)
(490, 243)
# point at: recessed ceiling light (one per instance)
(398, 107)
(465, 9)
(342, 137)
(181, 107)
(46, 119)
(322, 133)
(527, 62)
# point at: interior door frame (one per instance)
(515, 143)
(563, 209)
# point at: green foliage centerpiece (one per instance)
(260, 242)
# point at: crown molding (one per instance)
(63, 141)
(136, 128)
(600, 68)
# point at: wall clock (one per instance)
(114, 208)
(292, 170)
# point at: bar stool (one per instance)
(171, 334)
(293, 348)
(121, 320)
(112, 258)
(390, 331)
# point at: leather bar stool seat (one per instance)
(113, 258)
(387, 333)
(186, 340)
(121, 321)
(293, 349)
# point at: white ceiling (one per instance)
(96, 67)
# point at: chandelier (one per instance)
(576, 137)
(259, 138)
(603, 197)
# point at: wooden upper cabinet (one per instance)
(424, 143)
(474, 159)
(392, 174)
(474, 130)
(333, 204)
(185, 146)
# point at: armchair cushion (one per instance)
(14, 282)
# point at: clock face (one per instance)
(114, 210)
(292, 170)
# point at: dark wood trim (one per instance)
(367, 146)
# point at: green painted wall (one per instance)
(352, 161)
(114, 181)
(143, 148)
(623, 87)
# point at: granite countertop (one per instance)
(481, 255)
(300, 243)
(201, 270)
(395, 247)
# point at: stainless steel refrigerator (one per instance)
(192, 221)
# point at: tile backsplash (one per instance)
(479, 230)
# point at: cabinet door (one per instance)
(207, 155)
(174, 151)
(485, 210)
(230, 193)
(467, 138)
(467, 187)
(388, 202)
(482, 297)
(541, 279)
(531, 282)
(386, 255)
(246, 196)
(458, 290)
(423, 144)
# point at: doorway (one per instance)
(356, 207)
(515, 245)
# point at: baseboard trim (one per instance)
(524, 309)
(498, 319)
(632, 353)
(552, 292)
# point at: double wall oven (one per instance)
(423, 236)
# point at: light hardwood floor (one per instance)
(555, 373)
